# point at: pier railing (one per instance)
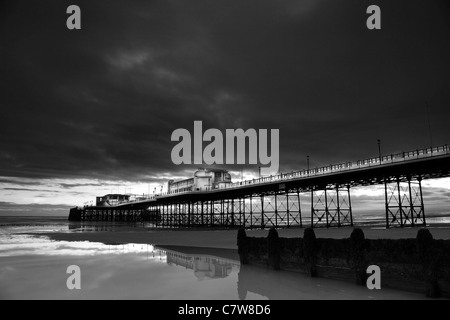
(324, 170)
(366, 163)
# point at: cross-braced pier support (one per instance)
(279, 209)
(404, 202)
(331, 206)
(276, 209)
(105, 214)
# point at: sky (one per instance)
(91, 111)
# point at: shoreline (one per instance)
(222, 244)
(227, 239)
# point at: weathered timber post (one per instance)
(273, 249)
(242, 283)
(430, 262)
(310, 251)
(242, 246)
(358, 255)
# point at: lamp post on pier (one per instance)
(307, 162)
(379, 149)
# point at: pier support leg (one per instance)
(327, 213)
(338, 206)
(202, 223)
(287, 209)
(331, 206)
(276, 210)
(404, 202)
(232, 212)
(312, 207)
(318, 208)
(386, 202)
(400, 203)
(164, 216)
(422, 208)
(251, 212)
(298, 219)
(411, 203)
(222, 212)
(189, 214)
(179, 215)
(243, 217)
(262, 212)
(350, 211)
(211, 213)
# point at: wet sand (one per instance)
(227, 238)
(143, 275)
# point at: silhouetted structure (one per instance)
(274, 201)
(421, 264)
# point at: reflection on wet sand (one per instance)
(285, 285)
(96, 226)
(258, 282)
(143, 271)
(204, 266)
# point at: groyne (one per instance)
(417, 265)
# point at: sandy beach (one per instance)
(226, 239)
(181, 264)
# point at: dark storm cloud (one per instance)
(75, 185)
(102, 102)
(19, 182)
(25, 189)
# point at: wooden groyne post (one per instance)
(412, 264)
(242, 246)
(358, 257)
(273, 249)
(426, 249)
(310, 252)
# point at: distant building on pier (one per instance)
(204, 179)
(111, 200)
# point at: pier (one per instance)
(274, 201)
